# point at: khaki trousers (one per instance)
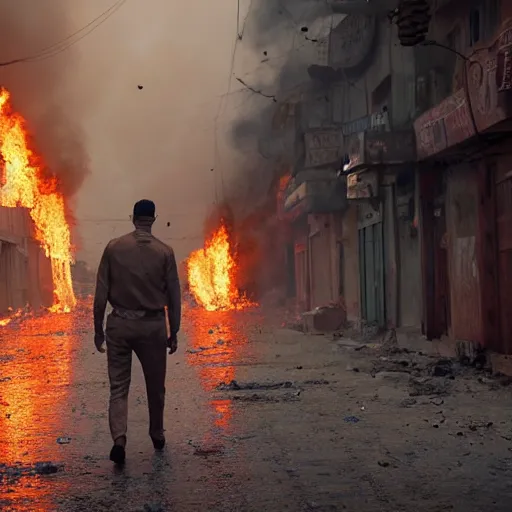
(148, 339)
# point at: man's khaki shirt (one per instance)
(138, 272)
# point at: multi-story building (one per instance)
(464, 92)
(360, 243)
(421, 134)
(25, 272)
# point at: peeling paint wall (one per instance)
(25, 273)
(351, 280)
(324, 271)
(462, 228)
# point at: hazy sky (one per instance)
(89, 118)
(156, 142)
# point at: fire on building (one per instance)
(35, 238)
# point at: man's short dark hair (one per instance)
(144, 208)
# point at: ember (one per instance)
(12, 316)
(25, 185)
(211, 275)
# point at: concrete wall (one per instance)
(25, 273)
(352, 98)
(324, 260)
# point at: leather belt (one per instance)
(131, 314)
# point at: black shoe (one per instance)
(158, 443)
(118, 454)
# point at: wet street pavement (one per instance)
(257, 419)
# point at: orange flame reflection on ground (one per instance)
(34, 400)
(25, 186)
(211, 275)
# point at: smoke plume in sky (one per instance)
(145, 106)
(38, 88)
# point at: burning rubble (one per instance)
(25, 184)
(212, 274)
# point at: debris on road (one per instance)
(235, 386)
(408, 402)
(425, 386)
(12, 473)
(351, 419)
(64, 440)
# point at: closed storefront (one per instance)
(462, 243)
(371, 264)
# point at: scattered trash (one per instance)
(206, 452)
(408, 402)
(220, 342)
(235, 386)
(443, 368)
(351, 419)
(47, 468)
(476, 426)
(259, 397)
(321, 382)
(64, 440)
(425, 386)
(198, 350)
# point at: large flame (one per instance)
(211, 275)
(24, 185)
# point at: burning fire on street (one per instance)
(211, 273)
(13, 315)
(25, 185)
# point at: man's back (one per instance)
(139, 277)
(139, 267)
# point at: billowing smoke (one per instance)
(27, 28)
(285, 36)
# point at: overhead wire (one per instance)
(222, 103)
(69, 41)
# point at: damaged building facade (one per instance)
(25, 272)
(399, 201)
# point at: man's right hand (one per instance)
(172, 343)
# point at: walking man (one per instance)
(138, 276)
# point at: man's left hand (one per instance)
(99, 340)
(172, 343)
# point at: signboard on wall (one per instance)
(380, 148)
(489, 80)
(489, 72)
(389, 147)
(377, 121)
(444, 126)
(323, 147)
